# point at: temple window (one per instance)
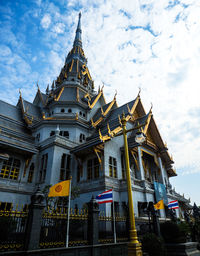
(43, 168)
(52, 133)
(64, 134)
(82, 137)
(150, 167)
(69, 110)
(83, 114)
(112, 167)
(123, 167)
(10, 169)
(93, 168)
(31, 172)
(62, 110)
(38, 137)
(65, 167)
(80, 113)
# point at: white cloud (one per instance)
(46, 21)
(4, 50)
(59, 28)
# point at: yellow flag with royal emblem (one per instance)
(60, 189)
(159, 205)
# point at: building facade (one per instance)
(70, 131)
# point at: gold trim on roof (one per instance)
(97, 151)
(135, 159)
(87, 95)
(24, 112)
(94, 124)
(109, 107)
(147, 122)
(77, 65)
(86, 71)
(59, 95)
(103, 138)
(70, 69)
(113, 132)
(96, 99)
(153, 155)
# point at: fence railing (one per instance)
(54, 227)
(12, 229)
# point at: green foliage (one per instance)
(175, 233)
(185, 230)
(75, 192)
(153, 245)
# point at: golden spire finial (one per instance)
(20, 93)
(38, 86)
(139, 91)
(151, 107)
(102, 86)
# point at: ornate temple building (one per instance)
(70, 130)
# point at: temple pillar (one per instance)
(140, 163)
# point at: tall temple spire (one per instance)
(77, 40)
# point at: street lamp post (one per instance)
(134, 247)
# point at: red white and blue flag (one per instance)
(105, 197)
(173, 205)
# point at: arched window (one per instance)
(31, 172)
(69, 110)
(80, 113)
(62, 110)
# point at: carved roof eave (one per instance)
(159, 142)
(104, 113)
(27, 118)
(112, 133)
(99, 95)
(81, 149)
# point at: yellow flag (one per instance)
(159, 205)
(60, 189)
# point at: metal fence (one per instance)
(106, 228)
(54, 228)
(12, 229)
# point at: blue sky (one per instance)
(149, 44)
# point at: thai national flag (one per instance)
(105, 197)
(173, 205)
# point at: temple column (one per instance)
(161, 169)
(140, 163)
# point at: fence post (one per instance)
(34, 221)
(93, 222)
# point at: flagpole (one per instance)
(115, 240)
(67, 236)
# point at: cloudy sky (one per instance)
(130, 44)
